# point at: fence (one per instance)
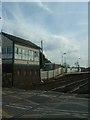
(53, 73)
(50, 74)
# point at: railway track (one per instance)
(72, 87)
(79, 87)
(67, 83)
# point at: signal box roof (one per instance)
(21, 41)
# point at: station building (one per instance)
(20, 62)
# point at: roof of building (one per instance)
(21, 41)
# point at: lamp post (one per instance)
(79, 64)
(64, 59)
(62, 64)
(42, 53)
(65, 62)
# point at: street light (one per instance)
(64, 58)
(64, 61)
(78, 64)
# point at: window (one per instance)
(19, 50)
(36, 56)
(32, 57)
(9, 50)
(20, 53)
(16, 50)
(4, 50)
(27, 54)
(23, 56)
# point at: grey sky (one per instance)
(63, 27)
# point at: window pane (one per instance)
(36, 56)
(16, 50)
(9, 50)
(19, 50)
(4, 50)
(32, 56)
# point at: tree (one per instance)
(43, 60)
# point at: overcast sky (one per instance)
(63, 27)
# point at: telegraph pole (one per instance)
(42, 52)
(65, 62)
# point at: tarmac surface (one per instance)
(17, 103)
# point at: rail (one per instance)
(72, 87)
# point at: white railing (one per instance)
(50, 74)
(53, 73)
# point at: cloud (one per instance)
(54, 45)
(43, 6)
